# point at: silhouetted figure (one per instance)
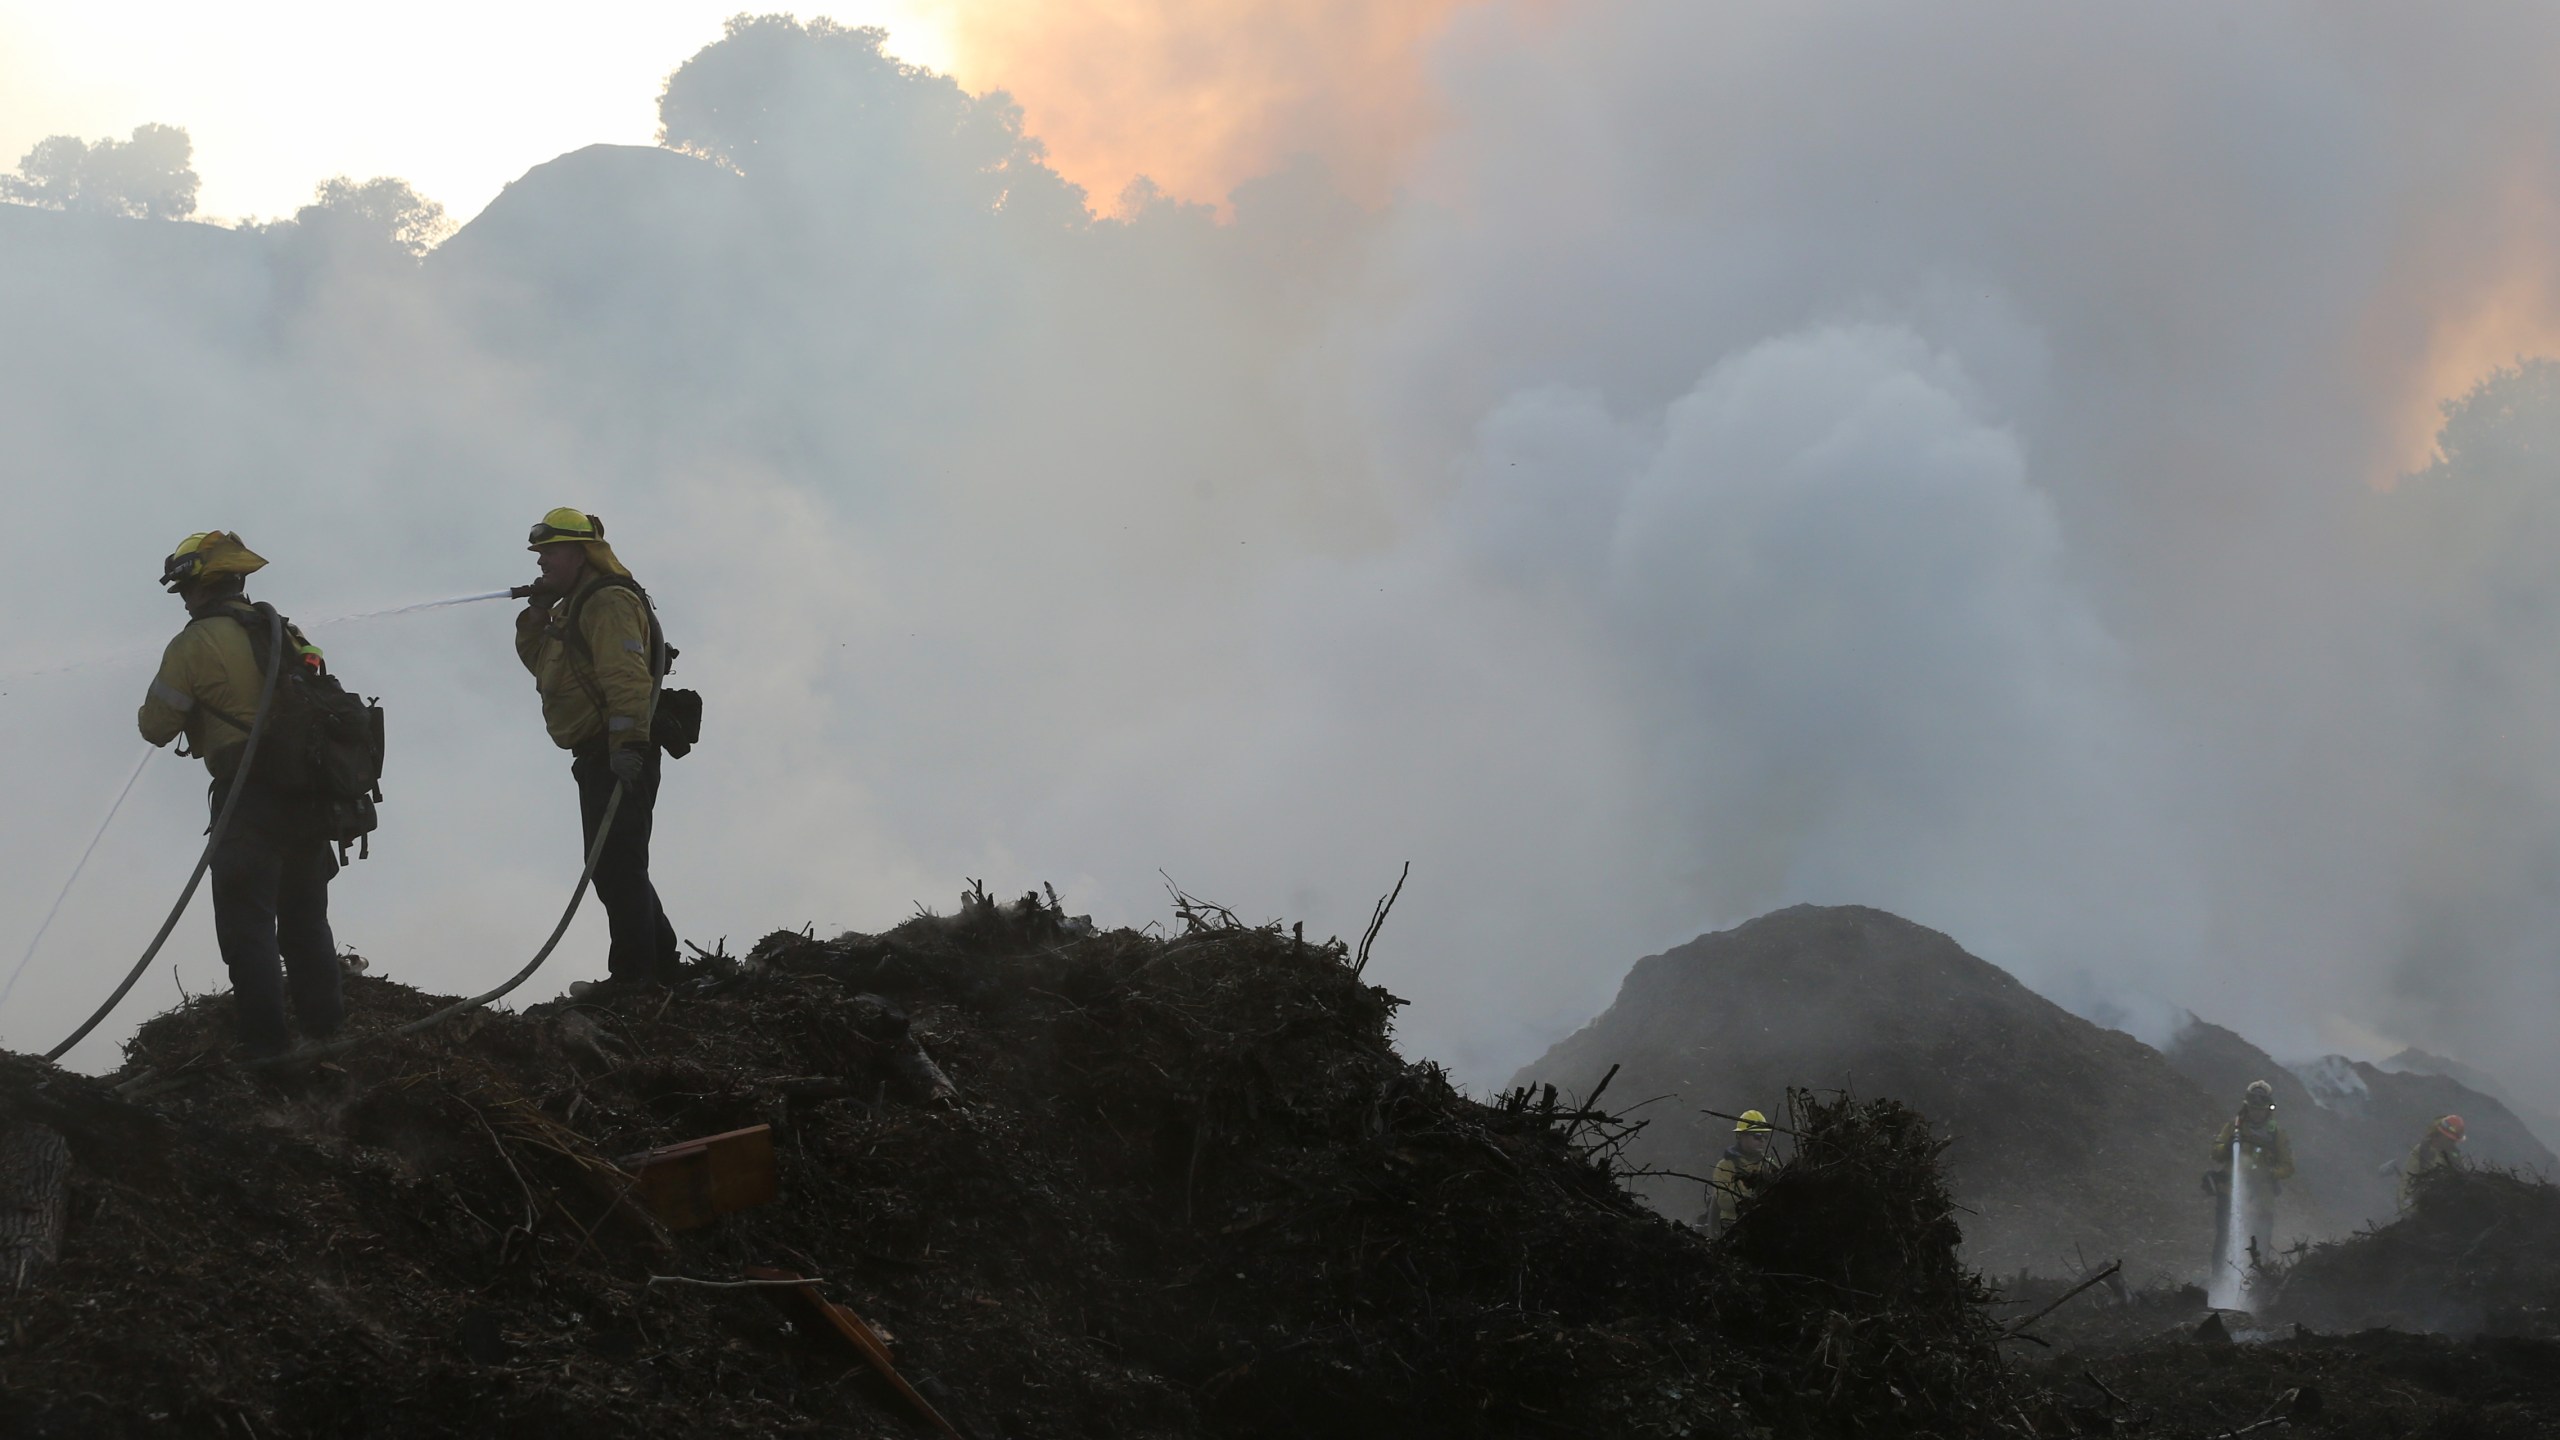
(587, 634)
(272, 871)
(2439, 1149)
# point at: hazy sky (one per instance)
(458, 100)
(281, 94)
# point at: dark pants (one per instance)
(644, 944)
(271, 917)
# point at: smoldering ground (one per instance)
(1840, 454)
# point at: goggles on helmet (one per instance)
(544, 532)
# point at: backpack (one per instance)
(676, 723)
(323, 745)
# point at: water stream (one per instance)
(2229, 1289)
(74, 878)
(138, 655)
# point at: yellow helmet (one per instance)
(564, 526)
(1751, 1122)
(208, 555)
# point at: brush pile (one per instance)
(2340, 1345)
(1848, 1285)
(2478, 1253)
(1088, 1184)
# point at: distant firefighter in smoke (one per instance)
(2439, 1149)
(2252, 1158)
(1740, 1173)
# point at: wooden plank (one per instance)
(859, 1334)
(690, 1184)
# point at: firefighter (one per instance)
(1741, 1172)
(2265, 1155)
(2439, 1149)
(272, 867)
(589, 636)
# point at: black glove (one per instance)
(626, 762)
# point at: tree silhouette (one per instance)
(2503, 431)
(2480, 522)
(821, 107)
(150, 176)
(382, 211)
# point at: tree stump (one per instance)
(35, 1181)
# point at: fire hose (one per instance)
(153, 1082)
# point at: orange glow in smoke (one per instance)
(1200, 95)
(2519, 319)
(2478, 295)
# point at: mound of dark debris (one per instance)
(2437, 1324)
(2376, 1383)
(1079, 1183)
(1850, 1253)
(2478, 1253)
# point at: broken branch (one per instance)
(735, 1284)
(1378, 920)
(2112, 1267)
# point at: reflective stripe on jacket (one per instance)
(603, 692)
(209, 667)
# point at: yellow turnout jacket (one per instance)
(2424, 1158)
(1736, 1178)
(599, 688)
(2267, 1150)
(210, 667)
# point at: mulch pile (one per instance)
(1143, 1186)
(1850, 1255)
(2337, 1347)
(2477, 1254)
(2374, 1385)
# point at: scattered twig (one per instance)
(1200, 916)
(1592, 1100)
(2092, 1377)
(2013, 1331)
(1652, 1172)
(2298, 1403)
(1378, 921)
(531, 1212)
(734, 1284)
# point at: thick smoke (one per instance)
(2199, 268)
(1198, 96)
(1869, 672)
(1833, 452)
